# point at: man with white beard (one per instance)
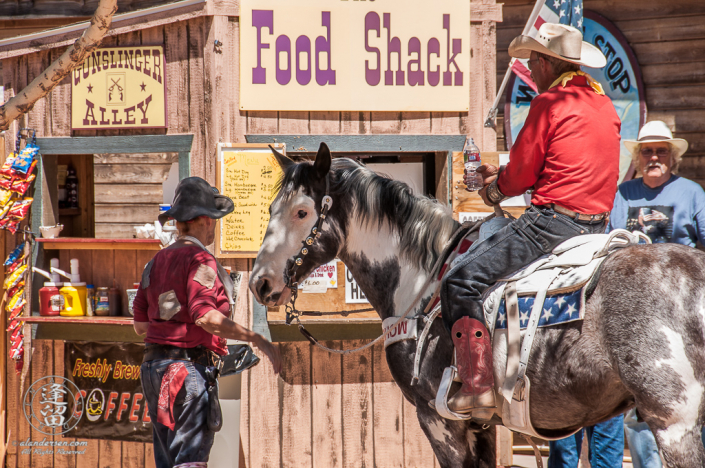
(667, 208)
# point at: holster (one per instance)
(215, 414)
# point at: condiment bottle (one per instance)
(115, 306)
(74, 292)
(90, 300)
(50, 299)
(102, 306)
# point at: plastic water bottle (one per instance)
(471, 158)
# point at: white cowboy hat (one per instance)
(560, 41)
(657, 131)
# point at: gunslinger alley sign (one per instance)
(120, 87)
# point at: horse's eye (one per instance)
(302, 214)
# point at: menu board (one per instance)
(247, 173)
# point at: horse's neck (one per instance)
(388, 279)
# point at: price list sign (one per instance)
(248, 177)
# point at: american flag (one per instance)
(551, 11)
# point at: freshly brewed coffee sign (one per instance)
(383, 55)
(107, 375)
(120, 87)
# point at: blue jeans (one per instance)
(191, 440)
(605, 446)
(536, 233)
(642, 444)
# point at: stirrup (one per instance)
(450, 374)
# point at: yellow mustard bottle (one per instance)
(73, 292)
(74, 295)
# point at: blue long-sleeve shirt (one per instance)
(673, 212)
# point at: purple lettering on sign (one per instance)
(103, 121)
(129, 118)
(303, 46)
(372, 75)
(434, 47)
(283, 45)
(89, 119)
(393, 46)
(327, 76)
(261, 19)
(415, 76)
(143, 106)
(157, 65)
(457, 47)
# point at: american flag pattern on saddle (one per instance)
(559, 308)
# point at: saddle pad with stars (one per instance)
(564, 273)
(557, 309)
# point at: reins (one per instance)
(293, 314)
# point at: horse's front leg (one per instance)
(457, 444)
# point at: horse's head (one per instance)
(293, 213)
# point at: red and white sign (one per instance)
(322, 278)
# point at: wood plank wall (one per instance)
(324, 411)
(128, 191)
(667, 38)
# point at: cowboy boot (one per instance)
(473, 358)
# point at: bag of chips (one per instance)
(23, 162)
(18, 307)
(20, 208)
(20, 186)
(17, 287)
(6, 169)
(13, 226)
(6, 183)
(14, 255)
(12, 326)
(15, 277)
(5, 196)
(29, 171)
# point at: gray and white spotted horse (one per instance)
(642, 340)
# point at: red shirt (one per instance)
(567, 151)
(186, 280)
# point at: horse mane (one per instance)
(423, 225)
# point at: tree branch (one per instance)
(63, 66)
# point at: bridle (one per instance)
(290, 274)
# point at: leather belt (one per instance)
(199, 355)
(580, 217)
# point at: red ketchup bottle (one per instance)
(50, 300)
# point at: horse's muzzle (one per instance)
(262, 289)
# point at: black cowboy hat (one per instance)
(194, 197)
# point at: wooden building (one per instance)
(324, 410)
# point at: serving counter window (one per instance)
(106, 196)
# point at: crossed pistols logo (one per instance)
(116, 89)
(53, 405)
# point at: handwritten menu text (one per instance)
(248, 178)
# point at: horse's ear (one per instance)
(323, 160)
(283, 161)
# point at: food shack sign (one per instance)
(355, 55)
(120, 87)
